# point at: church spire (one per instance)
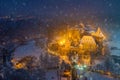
(100, 34)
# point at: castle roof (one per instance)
(88, 43)
(88, 40)
(99, 33)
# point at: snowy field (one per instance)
(115, 44)
(32, 49)
(52, 75)
(29, 49)
(96, 76)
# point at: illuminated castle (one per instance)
(75, 42)
(90, 44)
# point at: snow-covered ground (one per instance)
(115, 44)
(52, 75)
(29, 49)
(32, 49)
(96, 76)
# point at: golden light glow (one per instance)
(17, 65)
(88, 43)
(72, 39)
(99, 34)
(62, 42)
(67, 73)
(65, 58)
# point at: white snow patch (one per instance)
(29, 49)
(114, 44)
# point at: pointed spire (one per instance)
(98, 30)
(100, 34)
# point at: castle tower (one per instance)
(88, 43)
(99, 34)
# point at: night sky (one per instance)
(60, 7)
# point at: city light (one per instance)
(85, 66)
(62, 42)
(80, 67)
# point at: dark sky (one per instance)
(59, 7)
